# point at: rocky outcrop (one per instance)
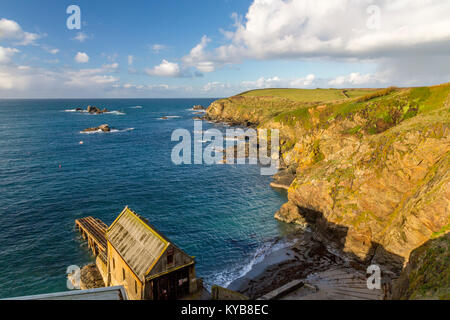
(284, 178)
(290, 213)
(103, 128)
(198, 107)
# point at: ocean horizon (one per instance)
(52, 174)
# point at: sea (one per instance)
(51, 174)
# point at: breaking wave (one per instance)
(227, 276)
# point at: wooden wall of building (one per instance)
(120, 274)
(179, 258)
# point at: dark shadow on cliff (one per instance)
(337, 234)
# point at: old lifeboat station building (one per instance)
(133, 254)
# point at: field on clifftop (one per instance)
(309, 95)
(369, 167)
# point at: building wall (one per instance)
(117, 268)
(102, 268)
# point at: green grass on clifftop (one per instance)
(309, 95)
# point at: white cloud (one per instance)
(6, 54)
(355, 79)
(81, 37)
(10, 29)
(145, 87)
(51, 50)
(91, 78)
(165, 69)
(277, 82)
(198, 57)
(340, 30)
(214, 86)
(157, 48)
(81, 57)
(130, 60)
(303, 82)
(52, 61)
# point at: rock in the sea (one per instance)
(198, 107)
(103, 127)
(93, 109)
(90, 278)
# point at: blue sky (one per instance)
(215, 48)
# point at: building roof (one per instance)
(109, 293)
(137, 242)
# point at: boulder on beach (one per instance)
(103, 128)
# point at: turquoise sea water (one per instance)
(222, 214)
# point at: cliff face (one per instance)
(372, 170)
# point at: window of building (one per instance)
(135, 287)
(114, 263)
(170, 253)
(123, 274)
(170, 259)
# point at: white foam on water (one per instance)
(136, 107)
(112, 131)
(226, 277)
(117, 113)
(193, 110)
(169, 117)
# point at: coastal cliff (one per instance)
(369, 169)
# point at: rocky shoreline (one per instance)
(306, 253)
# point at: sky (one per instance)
(218, 48)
